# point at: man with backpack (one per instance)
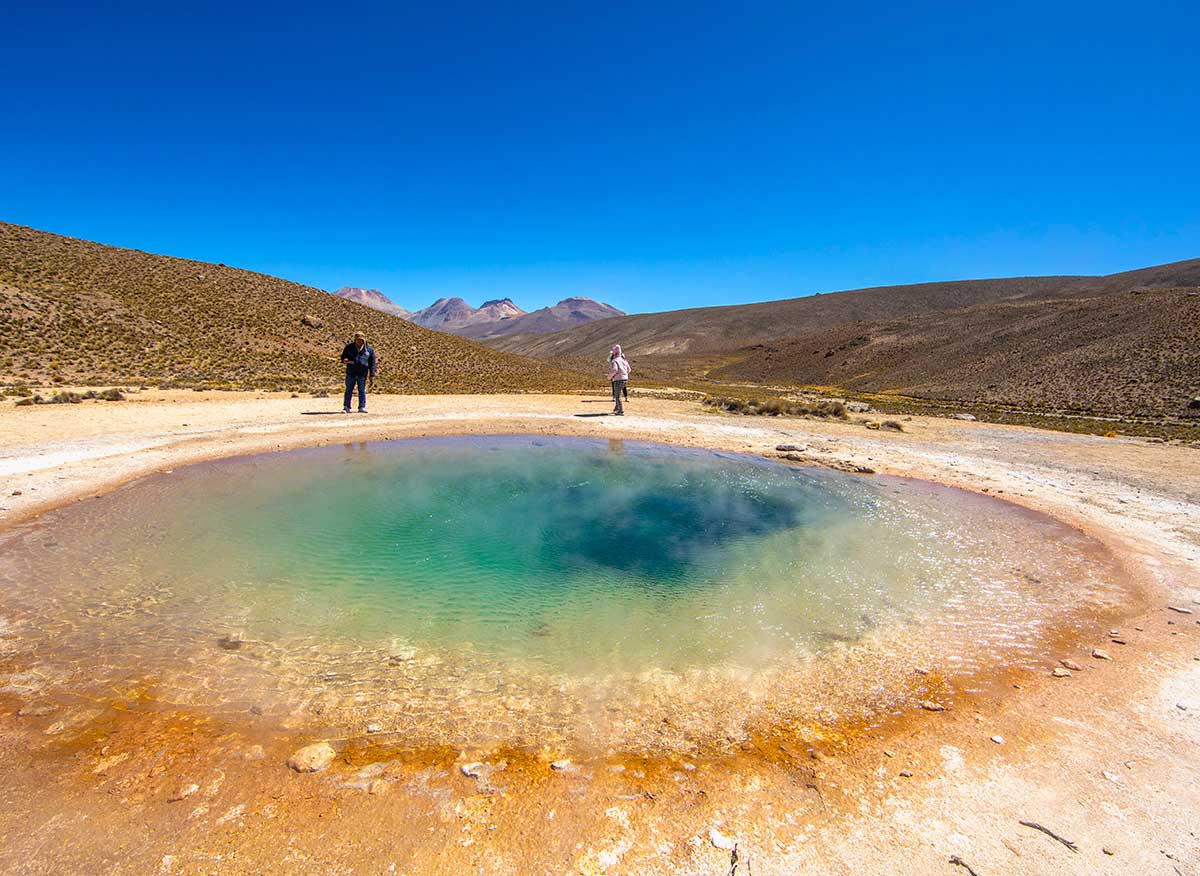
(618, 375)
(359, 358)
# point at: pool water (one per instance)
(537, 585)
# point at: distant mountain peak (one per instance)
(372, 298)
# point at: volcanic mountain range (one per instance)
(497, 318)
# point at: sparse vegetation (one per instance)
(105, 315)
(776, 407)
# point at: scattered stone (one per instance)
(256, 710)
(1107, 851)
(1071, 664)
(561, 765)
(1181, 706)
(871, 424)
(1112, 777)
(999, 740)
(857, 407)
(968, 417)
(229, 643)
(1179, 609)
(312, 758)
(1059, 672)
(374, 728)
(312, 321)
(719, 840)
(472, 770)
(931, 706)
(1118, 641)
(378, 787)
(16, 493)
(789, 448)
(864, 469)
(906, 774)
(1100, 655)
(889, 753)
(404, 655)
(920, 670)
(182, 793)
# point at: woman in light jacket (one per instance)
(618, 374)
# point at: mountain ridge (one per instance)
(1125, 343)
(108, 314)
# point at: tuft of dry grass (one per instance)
(776, 407)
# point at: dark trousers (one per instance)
(618, 388)
(353, 380)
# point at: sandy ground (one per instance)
(1107, 758)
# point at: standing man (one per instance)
(618, 374)
(359, 359)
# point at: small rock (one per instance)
(719, 840)
(906, 773)
(889, 754)
(16, 493)
(931, 706)
(1072, 665)
(789, 448)
(404, 655)
(1107, 851)
(1181, 706)
(999, 740)
(968, 417)
(1059, 672)
(373, 728)
(858, 407)
(1112, 777)
(312, 758)
(312, 321)
(561, 765)
(183, 793)
(1179, 609)
(472, 770)
(229, 643)
(1100, 655)
(378, 787)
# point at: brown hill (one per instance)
(373, 298)
(567, 313)
(1124, 343)
(75, 311)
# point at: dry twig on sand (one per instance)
(959, 862)
(1048, 832)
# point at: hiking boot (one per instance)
(345, 410)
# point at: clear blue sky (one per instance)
(656, 155)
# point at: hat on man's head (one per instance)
(358, 335)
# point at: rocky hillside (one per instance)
(78, 312)
(568, 313)
(1122, 344)
(373, 298)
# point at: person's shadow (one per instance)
(320, 413)
(595, 415)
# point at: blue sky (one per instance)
(654, 156)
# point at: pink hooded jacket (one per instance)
(618, 365)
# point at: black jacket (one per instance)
(360, 361)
